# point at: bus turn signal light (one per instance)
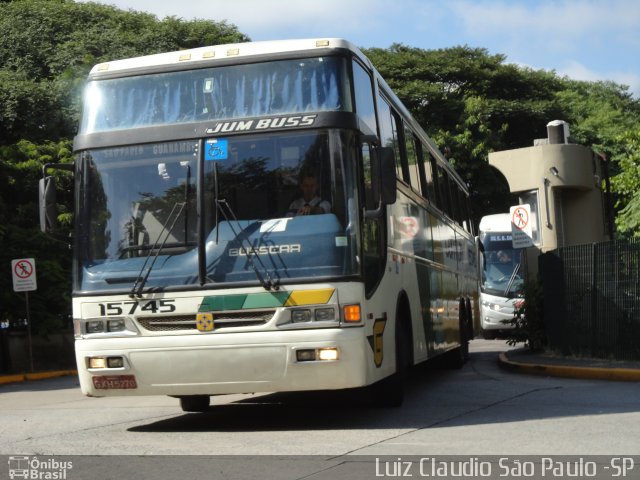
(352, 313)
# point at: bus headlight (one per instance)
(94, 326)
(325, 314)
(324, 354)
(329, 354)
(310, 317)
(106, 326)
(116, 325)
(105, 362)
(300, 315)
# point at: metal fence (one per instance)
(592, 299)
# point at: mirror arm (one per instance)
(57, 166)
(375, 213)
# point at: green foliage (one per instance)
(21, 166)
(30, 109)
(528, 320)
(472, 103)
(47, 48)
(627, 184)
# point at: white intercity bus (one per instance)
(503, 274)
(194, 276)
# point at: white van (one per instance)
(503, 274)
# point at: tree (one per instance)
(46, 50)
(472, 103)
(626, 184)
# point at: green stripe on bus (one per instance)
(243, 301)
(222, 302)
(266, 299)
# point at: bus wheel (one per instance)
(195, 403)
(469, 312)
(488, 334)
(389, 392)
(459, 355)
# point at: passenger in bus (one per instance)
(503, 257)
(310, 203)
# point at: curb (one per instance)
(23, 377)
(594, 373)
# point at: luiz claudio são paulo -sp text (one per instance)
(508, 467)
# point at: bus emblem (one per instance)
(204, 321)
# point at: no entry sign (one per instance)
(24, 274)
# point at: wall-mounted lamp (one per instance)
(554, 171)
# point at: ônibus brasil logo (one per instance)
(38, 469)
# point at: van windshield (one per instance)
(502, 272)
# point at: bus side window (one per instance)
(389, 133)
(373, 238)
(465, 217)
(415, 175)
(444, 202)
(428, 185)
(453, 195)
(370, 190)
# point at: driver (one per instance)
(309, 203)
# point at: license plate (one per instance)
(114, 382)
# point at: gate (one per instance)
(592, 299)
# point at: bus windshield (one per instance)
(153, 211)
(503, 272)
(220, 93)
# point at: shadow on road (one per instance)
(479, 393)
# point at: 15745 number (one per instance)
(130, 307)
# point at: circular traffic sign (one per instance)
(23, 269)
(520, 218)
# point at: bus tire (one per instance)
(489, 334)
(466, 327)
(389, 392)
(195, 403)
(469, 313)
(459, 355)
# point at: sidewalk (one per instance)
(541, 363)
(23, 377)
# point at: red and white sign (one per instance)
(408, 226)
(23, 271)
(521, 229)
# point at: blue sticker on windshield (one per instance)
(216, 149)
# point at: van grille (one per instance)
(244, 318)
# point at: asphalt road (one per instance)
(478, 410)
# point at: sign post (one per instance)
(24, 280)
(521, 230)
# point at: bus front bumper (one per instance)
(210, 364)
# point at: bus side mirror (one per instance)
(388, 178)
(379, 178)
(47, 203)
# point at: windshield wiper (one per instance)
(138, 285)
(511, 280)
(266, 281)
